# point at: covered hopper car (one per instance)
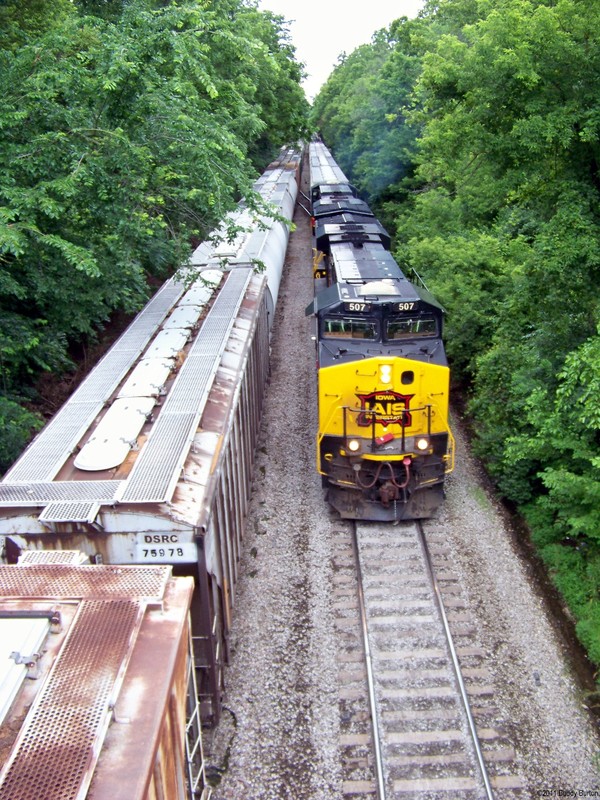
(150, 460)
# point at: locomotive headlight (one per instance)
(422, 444)
(385, 373)
(354, 445)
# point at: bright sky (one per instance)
(322, 29)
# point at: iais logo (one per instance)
(387, 406)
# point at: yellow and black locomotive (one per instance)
(384, 445)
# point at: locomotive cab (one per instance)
(383, 445)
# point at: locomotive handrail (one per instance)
(374, 415)
(375, 418)
(450, 455)
(448, 458)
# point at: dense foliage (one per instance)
(481, 119)
(129, 128)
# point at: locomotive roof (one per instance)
(369, 261)
(323, 168)
(329, 205)
(375, 291)
(355, 233)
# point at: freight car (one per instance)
(96, 683)
(384, 445)
(150, 460)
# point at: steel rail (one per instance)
(381, 793)
(455, 663)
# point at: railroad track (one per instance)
(417, 707)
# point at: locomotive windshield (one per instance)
(349, 328)
(410, 327)
(395, 328)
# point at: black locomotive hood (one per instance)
(324, 299)
(333, 352)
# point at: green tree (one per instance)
(123, 142)
(361, 110)
(277, 76)
(21, 20)
(509, 108)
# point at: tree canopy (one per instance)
(129, 128)
(492, 192)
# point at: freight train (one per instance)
(384, 445)
(150, 460)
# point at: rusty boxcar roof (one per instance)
(105, 672)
